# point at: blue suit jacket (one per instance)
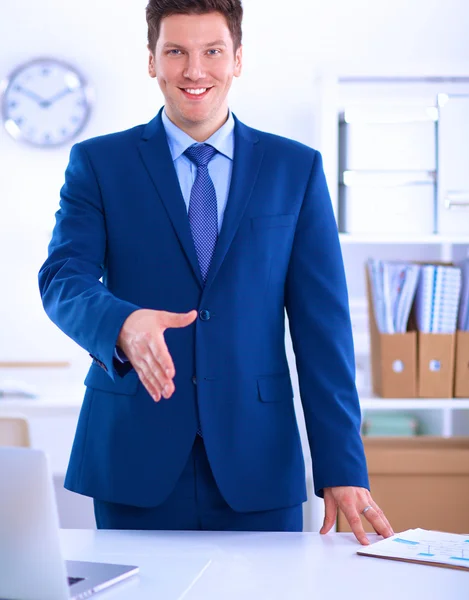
(123, 219)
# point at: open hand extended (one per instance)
(142, 340)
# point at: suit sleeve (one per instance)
(69, 280)
(316, 300)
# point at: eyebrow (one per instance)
(215, 43)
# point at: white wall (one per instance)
(398, 37)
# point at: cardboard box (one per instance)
(394, 365)
(461, 379)
(393, 359)
(419, 482)
(435, 358)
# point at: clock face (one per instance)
(45, 103)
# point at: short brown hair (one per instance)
(157, 10)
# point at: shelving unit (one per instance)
(376, 403)
(445, 417)
(348, 238)
(439, 416)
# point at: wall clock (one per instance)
(45, 102)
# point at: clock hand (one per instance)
(57, 96)
(31, 95)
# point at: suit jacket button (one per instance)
(205, 315)
(194, 380)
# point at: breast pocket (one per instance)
(272, 221)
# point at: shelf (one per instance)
(350, 238)
(375, 403)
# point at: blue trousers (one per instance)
(196, 504)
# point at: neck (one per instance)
(200, 132)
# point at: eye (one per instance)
(173, 52)
(214, 52)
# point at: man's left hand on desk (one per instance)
(352, 501)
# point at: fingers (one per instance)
(156, 370)
(330, 516)
(150, 384)
(157, 384)
(379, 521)
(161, 356)
(174, 320)
(375, 516)
(152, 361)
(162, 366)
(353, 518)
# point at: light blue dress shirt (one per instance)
(220, 167)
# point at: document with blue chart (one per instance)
(434, 548)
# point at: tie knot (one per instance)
(200, 154)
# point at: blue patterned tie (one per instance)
(203, 212)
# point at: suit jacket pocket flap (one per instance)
(275, 388)
(98, 379)
(268, 221)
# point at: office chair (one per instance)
(14, 431)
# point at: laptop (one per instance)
(31, 563)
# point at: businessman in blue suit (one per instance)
(177, 247)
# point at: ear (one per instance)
(151, 64)
(238, 62)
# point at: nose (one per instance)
(194, 68)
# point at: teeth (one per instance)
(196, 92)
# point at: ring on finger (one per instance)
(366, 509)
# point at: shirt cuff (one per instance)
(121, 357)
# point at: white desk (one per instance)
(258, 566)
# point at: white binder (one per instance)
(437, 299)
(388, 138)
(453, 164)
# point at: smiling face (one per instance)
(195, 62)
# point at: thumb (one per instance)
(176, 320)
(331, 513)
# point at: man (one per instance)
(203, 231)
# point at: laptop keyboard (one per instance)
(73, 580)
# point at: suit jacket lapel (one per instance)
(158, 161)
(246, 163)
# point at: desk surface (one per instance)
(258, 566)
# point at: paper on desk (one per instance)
(423, 546)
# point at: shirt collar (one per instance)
(179, 141)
